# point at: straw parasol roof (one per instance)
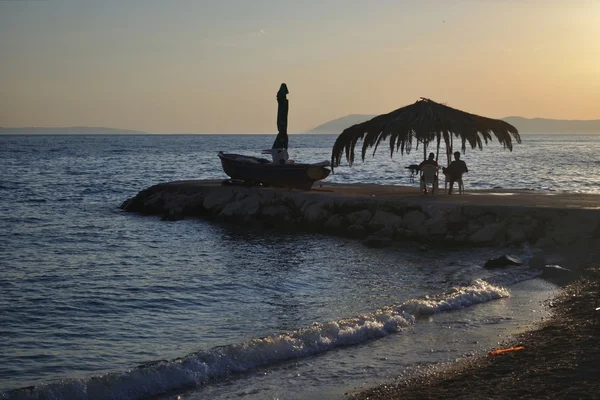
(423, 122)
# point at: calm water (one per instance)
(92, 298)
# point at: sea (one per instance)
(97, 303)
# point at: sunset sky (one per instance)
(215, 66)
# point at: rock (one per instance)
(488, 219)
(155, 202)
(315, 214)
(385, 233)
(474, 226)
(400, 233)
(217, 200)
(334, 224)
(515, 236)
(502, 261)
(454, 216)
(377, 242)
(434, 227)
(231, 210)
(413, 220)
(545, 243)
(558, 273)
(538, 260)
(275, 212)
(384, 219)
(359, 217)
(173, 214)
(126, 204)
(449, 238)
(473, 212)
(357, 231)
(461, 238)
(488, 234)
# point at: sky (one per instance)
(214, 66)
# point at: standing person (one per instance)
(455, 171)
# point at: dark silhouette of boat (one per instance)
(253, 170)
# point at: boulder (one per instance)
(384, 219)
(217, 200)
(473, 226)
(248, 206)
(488, 219)
(488, 234)
(538, 260)
(557, 273)
(173, 214)
(413, 220)
(357, 231)
(502, 261)
(434, 227)
(386, 233)
(359, 217)
(275, 212)
(334, 224)
(315, 214)
(377, 241)
(515, 235)
(545, 242)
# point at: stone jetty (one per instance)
(382, 214)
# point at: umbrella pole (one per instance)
(437, 153)
(449, 150)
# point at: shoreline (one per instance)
(560, 359)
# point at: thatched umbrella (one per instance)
(423, 121)
(281, 141)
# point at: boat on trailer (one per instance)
(280, 172)
(251, 171)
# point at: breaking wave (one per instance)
(198, 368)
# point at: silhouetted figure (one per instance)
(281, 141)
(429, 162)
(455, 171)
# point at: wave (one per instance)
(198, 368)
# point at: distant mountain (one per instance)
(338, 125)
(72, 130)
(543, 125)
(524, 125)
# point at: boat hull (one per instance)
(259, 170)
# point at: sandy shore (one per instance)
(561, 360)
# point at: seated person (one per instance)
(429, 161)
(455, 171)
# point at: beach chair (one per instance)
(429, 176)
(459, 181)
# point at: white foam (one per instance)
(198, 368)
(479, 292)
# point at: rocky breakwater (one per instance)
(378, 220)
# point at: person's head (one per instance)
(457, 155)
(431, 156)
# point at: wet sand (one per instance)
(560, 359)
